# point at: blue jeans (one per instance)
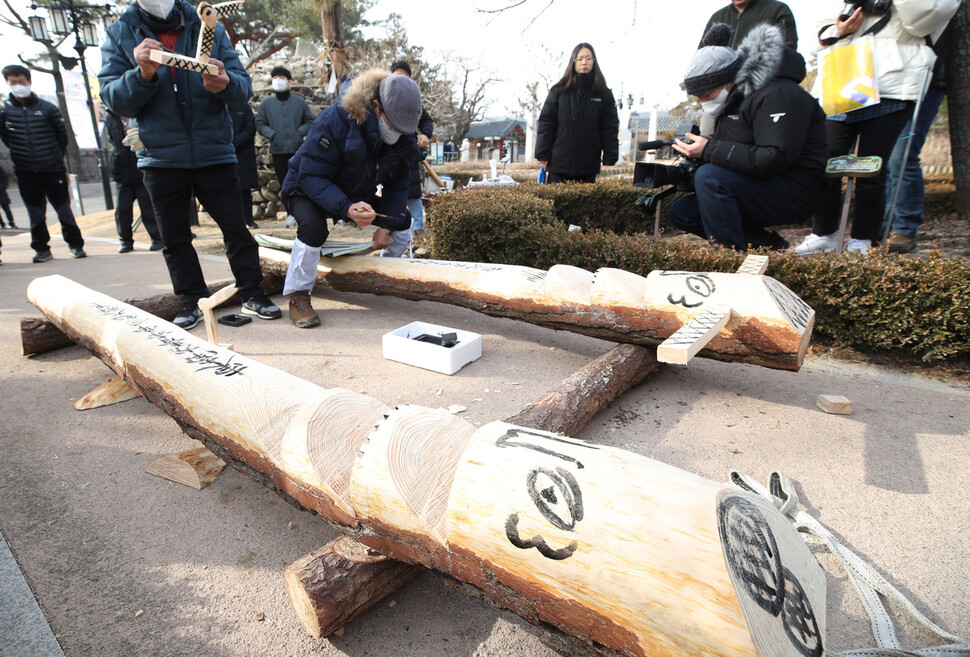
(908, 216)
(733, 209)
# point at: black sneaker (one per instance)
(78, 252)
(126, 247)
(189, 316)
(156, 246)
(262, 307)
(43, 256)
(252, 224)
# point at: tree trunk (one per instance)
(770, 326)
(578, 399)
(958, 100)
(628, 554)
(332, 18)
(37, 335)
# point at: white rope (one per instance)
(868, 583)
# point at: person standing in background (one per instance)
(903, 60)
(284, 119)
(131, 187)
(5, 199)
(742, 15)
(34, 131)
(908, 213)
(244, 141)
(578, 125)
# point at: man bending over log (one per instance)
(365, 140)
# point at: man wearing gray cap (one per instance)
(365, 140)
(764, 164)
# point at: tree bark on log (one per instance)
(332, 586)
(769, 326)
(321, 586)
(625, 553)
(37, 335)
(578, 399)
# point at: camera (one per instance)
(650, 175)
(875, 7)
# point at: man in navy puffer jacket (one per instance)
(186, 132)
(365, 140)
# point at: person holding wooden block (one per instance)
(186, 132)
(365, 140)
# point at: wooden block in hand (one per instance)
(835, 404)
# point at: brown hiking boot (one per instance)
(302, 313)
(901, 243)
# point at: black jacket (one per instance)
(35, 134)
(123, 163)
(770, 125)
(574, 128)
(772, 12)
(426, 128)
(243, 138)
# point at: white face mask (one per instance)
(157, 8)
(716, 106)
(280, 84)
(20, 90)
(388, 134)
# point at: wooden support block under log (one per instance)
(332, 586)
(38, 335)
(769, 325)
(326, 599)
(836, 404)
(197, 467)
(632, 556)
(115, 390)
(693, 336)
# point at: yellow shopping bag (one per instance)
(848, 75)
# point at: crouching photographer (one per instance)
(764, 164)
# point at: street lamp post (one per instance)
(68, 17)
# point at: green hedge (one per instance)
(878, 302)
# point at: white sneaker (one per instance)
(816, 244)
(290, 221)
(858, 246)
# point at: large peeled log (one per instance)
(769, 324)
(630, 555)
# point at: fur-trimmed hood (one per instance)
(363, 89)
(766, 56)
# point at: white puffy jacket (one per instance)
(902, 55)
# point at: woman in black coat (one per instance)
(578, 124)
(244, 140)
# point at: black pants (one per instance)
(124, 212)
(281, 164)
(876, 137)
(247, 206)
(311, 221)
(217, 188)
(36, 188)
(5, 204)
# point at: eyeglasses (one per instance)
(585, 58)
